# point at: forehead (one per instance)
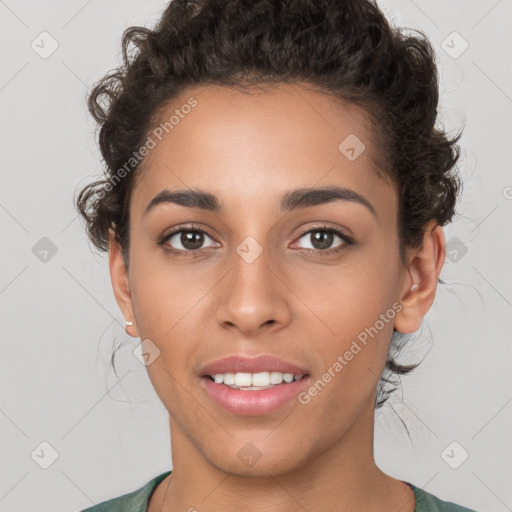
(246, 145)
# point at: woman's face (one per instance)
(266, 278)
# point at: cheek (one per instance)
(352, 348)
(351, 296)
(169, 303)
(165, 292)
(354, 308)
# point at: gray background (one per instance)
(59, 317)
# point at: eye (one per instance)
(322, 238)
(185, 240)
(189, 240)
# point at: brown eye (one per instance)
(321, 239)
(186, 240)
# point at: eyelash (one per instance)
(195, 229)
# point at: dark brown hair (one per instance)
(344, 48)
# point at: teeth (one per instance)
(229, 378)
(243, 379)
(219, 378)
(258, 380)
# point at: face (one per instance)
(302, 281)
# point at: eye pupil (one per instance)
(187, 239)
(325, 238)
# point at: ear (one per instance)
(121, 284)
(419, 286)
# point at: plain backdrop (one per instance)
(102, 435)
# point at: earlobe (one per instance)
(121, 284)
(420, 285)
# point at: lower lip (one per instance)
(251, 402)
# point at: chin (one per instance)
(258, 456)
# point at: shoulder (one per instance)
(426, 502)
(136, 501)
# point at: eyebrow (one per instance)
(292, 200)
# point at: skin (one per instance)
(305, 308)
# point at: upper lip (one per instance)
(243, 363)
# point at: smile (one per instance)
(248, 399)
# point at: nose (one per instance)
(253, 297)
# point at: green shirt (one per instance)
(137, 501)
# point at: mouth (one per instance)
(256, 394)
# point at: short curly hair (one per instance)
(344, 48)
